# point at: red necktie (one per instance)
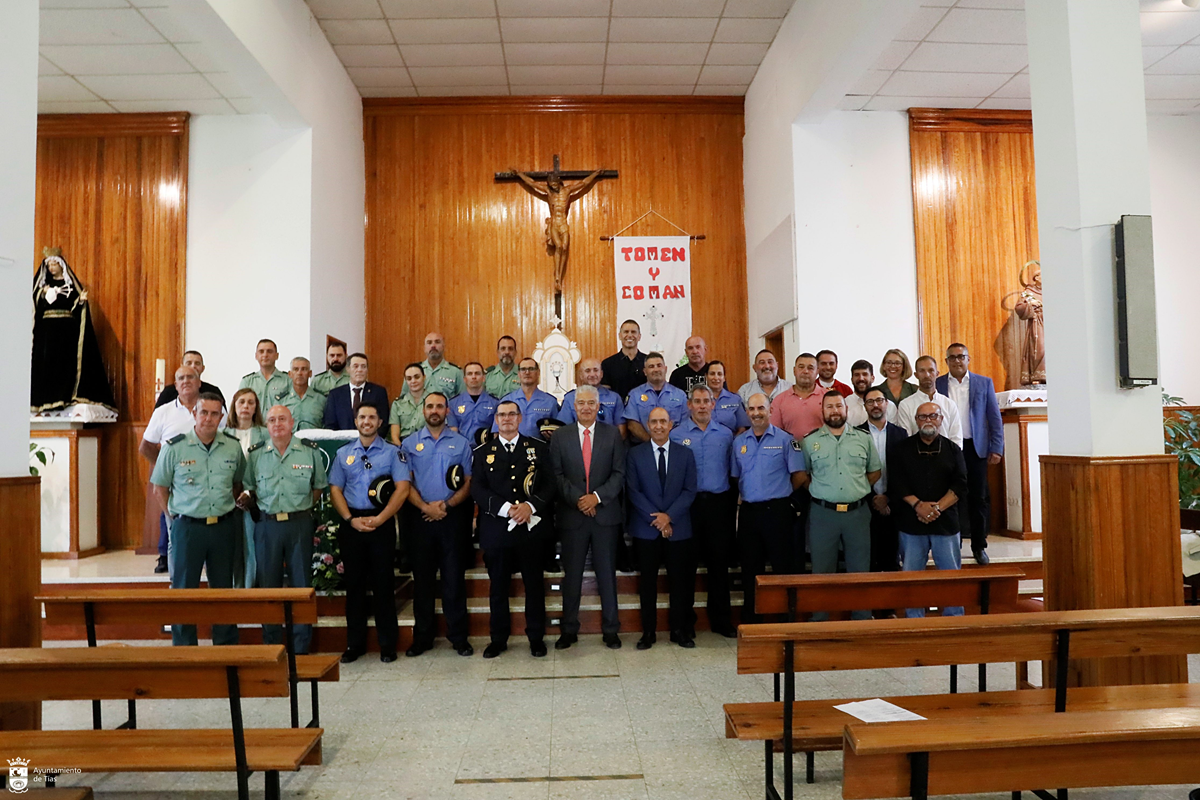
(357, 397)
(587, 458)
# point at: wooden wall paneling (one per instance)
(112, 192)
(20, 615)
(449, 249)
(1112, 541)
(975, 218)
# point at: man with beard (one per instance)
(926, 477)
(438, 521)
(766, 379)
(885, 541)
(906, 414)
(612, 407)
(501, 378)
(862, 378)
(827, 364)
(625, 368)
(440, 375)
(335, 373)
(841, 466)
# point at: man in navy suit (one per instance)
(660, 477)
(588, 461)
(983, 439)
(885, 537)
(344, 400)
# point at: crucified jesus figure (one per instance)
(559, 195)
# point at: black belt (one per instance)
(207, 520)
(286, 515)
(840, 506)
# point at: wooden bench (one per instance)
(1073, 750)
(938, 641)
(287, 607)
(158, 673)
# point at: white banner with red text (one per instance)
(654, 288)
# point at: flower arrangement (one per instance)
(327, 556)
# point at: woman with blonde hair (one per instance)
(896, 371)
(246, 423)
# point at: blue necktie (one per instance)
(662, 466)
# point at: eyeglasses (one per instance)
(893, 363)
(876, 401)
(928, 417)
(962, 357)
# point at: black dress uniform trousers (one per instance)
(528, 558)
(437, 546)
(370, 562)
(680, 558)
(765, 533)
(714, 519)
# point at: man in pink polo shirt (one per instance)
(798, 411)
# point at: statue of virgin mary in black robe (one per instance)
(67, 365)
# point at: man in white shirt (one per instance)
(906, 415)
(167, 421)
(862, 378)
(766, 380)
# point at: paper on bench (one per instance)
(877, 711)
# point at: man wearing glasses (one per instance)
(885, 539)
(926, 478)
(906, 414)
(983, 439)
(534, 404)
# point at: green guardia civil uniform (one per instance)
(267, 390)
(283, 483)
(409, 413)
(205, 533)
(325, 382)
(446, 378)
(308, 412)
(497, 384)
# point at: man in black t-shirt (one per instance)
(192, 359)
(625, 369)
(695, 371)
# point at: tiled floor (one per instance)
(649, 722)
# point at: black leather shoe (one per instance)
(416, 650)
(565, 641)
(464, 649)
(645, 643)
(728, 631)
(494, 649)
(161, 566)
(537, 649)
(387, 658)
(981, 556)
(350, 656)
(685, 641)
(612, 641)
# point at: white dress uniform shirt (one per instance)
(960, 393)
(906, 415)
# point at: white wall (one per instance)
(855, 257)
(249, 233)
(1175, 206)
(18, 148)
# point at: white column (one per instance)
(18, 157)
(1090, 143)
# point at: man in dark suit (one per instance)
(983, 440)
(885, 538)
(588, 460)
(660, 477)
(512, 483)
(344, 400)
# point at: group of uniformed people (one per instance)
(709, 477)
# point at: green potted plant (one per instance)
(1181, 433)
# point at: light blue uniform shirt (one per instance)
(429, 459)
(729, 411)
(469, 414)
(612, 410)
(355, 467)
(643, 399)
(711, 448)
(764, 468)
(533, 410)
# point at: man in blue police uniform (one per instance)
(196, 479)
(714, 512)
(535, 404)
(768, 464)
(612, 407)
(512, 482)
(654, 393)
(367, 536)
(474, 409)
(438, 519)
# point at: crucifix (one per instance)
(558, 188)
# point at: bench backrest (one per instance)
(181, 606)
(1030, 636)
(994, 587)
(136, 673)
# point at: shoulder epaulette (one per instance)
(451, 363)
(311, 443)
(250, 374)
(491, 368)
(230, 435)
(810, 433)
(281, 395)
(254, 447)
(176, 439)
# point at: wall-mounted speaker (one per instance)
(1137, 322)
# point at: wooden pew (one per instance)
(159, 673)
(939, 641)
(287, 607)
(1072, 750)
